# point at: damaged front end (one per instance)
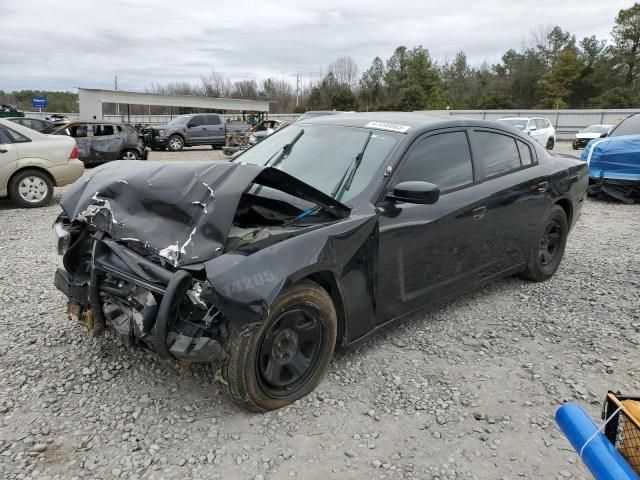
(110, 286)
(136, 241)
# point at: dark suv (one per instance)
(189, 130)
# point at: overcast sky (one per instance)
(65, 44)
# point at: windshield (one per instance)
(324, 156)
(596, 129)
(629, 126)
(519, 123)
(181, 120)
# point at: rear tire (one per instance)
(550, 242)
(550, 143)
(276, 362)
(129, 155)
(31, 189)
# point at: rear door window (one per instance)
(103, 130)
(443, 159)
(497, 153)
(213, 120)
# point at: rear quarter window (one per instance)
(15, 137)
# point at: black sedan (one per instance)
(313, 239)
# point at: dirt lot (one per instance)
(466, 391)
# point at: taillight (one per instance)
(74, 154)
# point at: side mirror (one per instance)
(191, 124)
(415, 192)
(604, 135)
(533, 128)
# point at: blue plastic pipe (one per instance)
(600, 456)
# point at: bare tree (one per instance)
(215, 85)
(281, 93)
(247, 89)
(345, 71)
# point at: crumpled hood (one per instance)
(180, 210)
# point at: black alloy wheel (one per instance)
(550, 243)
(273, 363)
(290, 351)
(547, 251)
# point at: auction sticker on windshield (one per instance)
(395, 127)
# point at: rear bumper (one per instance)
(66, 174)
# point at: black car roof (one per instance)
(406, 122)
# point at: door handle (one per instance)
(479, 213)
(3, 150)
(543, 187)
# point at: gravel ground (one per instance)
(466, 391)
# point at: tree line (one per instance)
(553, 70)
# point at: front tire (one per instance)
(31, 189)
(551, 240)
(274, 363)
(175, 143)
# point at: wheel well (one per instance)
(327, 281)
(39, 169)
(128, 149)
(568, 209)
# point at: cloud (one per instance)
(63, 44)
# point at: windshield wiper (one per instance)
(286, 150)
(345, 182)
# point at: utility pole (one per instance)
(117, 104)
(297, 90)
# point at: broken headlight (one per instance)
(253, 139)
(63, 236)
(161, 132)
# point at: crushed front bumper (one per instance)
(137, 300)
